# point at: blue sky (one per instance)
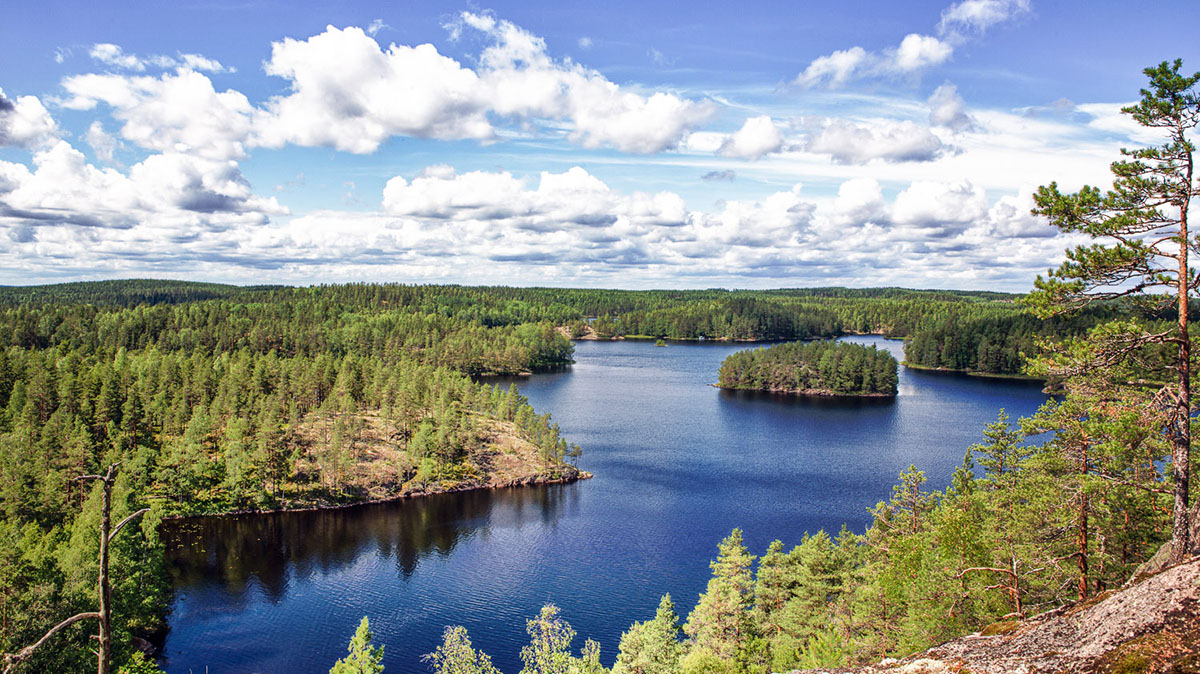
(536, 143)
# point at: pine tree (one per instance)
(721, 622)
(1142, 223)
(549, 649)
(363, 658)
(588, 661)
(652, 647)
(457, 656)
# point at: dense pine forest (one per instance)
(817, 368)
(217, 398)
(957, 330)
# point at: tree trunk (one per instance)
(1082, 541)
(105, 591)
(1181, 439)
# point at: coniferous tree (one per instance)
(549, 648)
(652, 647)
(721, 623)
(456, 655)
(1143, 254)
(362, 658)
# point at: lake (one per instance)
(678, 465)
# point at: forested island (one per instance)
(811, 368)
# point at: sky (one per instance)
(617, 144)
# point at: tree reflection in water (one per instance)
(272, 549)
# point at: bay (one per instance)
(678, 465)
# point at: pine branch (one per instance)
(12, 659)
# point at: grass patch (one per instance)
(1131, 663)
(1005, 627)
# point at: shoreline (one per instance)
(812, 392)
(974, 373)
(592, 337)
(529, 481)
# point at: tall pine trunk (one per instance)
(1181, 441)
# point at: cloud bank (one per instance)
(854, 198)
(568, 227)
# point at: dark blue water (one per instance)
(678, 465)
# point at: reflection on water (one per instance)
(275, 547)
(735, 397)
(250, 588)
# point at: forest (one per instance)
(208, 404)
(217, 398)
(814, 368)
(974, 331)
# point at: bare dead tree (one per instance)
(104, 588)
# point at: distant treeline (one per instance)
(291, 323)
(824, 367)
(960, 330)
(125, 293)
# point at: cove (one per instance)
(677, 464)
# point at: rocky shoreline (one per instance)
(527, 481)
(812, 392)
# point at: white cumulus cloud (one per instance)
(947, 109)
(917, 52)
(757, 137)
(837, 68)
(351, 94)
(160, 113)
(859, 201)
(162, 191)
(850, 143)
(522, 80)
(939, 206)
(561, 201)
(25, 122)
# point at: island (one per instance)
(820, 368)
